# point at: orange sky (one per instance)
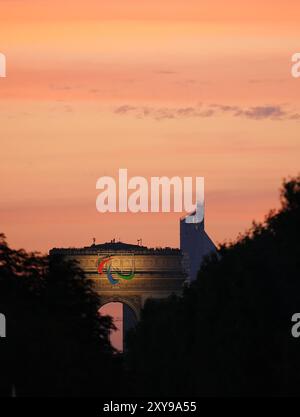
(161, 88)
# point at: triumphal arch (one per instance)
(129, 274)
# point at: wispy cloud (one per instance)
(271, 112)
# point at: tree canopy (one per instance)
(57, 343)
(230, 332)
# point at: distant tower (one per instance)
(195, 244)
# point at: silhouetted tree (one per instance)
(57, 343)
(230, 333)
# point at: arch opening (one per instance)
(124, 318)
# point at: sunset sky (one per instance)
(173, 87)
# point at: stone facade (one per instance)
(157, 272)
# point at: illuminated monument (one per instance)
(131, 274)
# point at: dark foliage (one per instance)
(230, 333)
(57, 344)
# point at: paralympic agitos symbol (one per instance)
(110, 272)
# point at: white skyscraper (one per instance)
(195, 244)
